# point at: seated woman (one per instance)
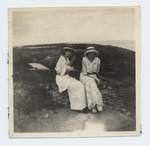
(74, 87)
(90, 69)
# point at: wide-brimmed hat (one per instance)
(68, 48)
(91, 49)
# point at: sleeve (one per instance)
(61, 67)
(84, 70)
(98, 65)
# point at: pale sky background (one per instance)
(72, 25)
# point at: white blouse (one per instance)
(90, 67)
(62, 65)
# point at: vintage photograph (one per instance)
(74, 71)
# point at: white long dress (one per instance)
(93, 94)
(75, 88)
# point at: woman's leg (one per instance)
(96, 94)
(93, 94)
(76, 92)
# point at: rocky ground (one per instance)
(31, 117)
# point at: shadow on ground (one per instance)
(67, 120)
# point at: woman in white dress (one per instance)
(90, 69)
(74, 87)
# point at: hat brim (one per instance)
(91, 51)
(67, 48)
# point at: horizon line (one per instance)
(82, 42)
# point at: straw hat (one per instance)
(91, 49)
(68, 48)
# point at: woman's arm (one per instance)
(84, 70)
(72, 60)
(98, 69)
(98, 66)
(62, 68)
(58, 67)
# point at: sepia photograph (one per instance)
(74, 71)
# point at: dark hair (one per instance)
(64, 51)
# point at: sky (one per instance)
(45, 26)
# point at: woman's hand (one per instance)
(70, 68)
(98, 81)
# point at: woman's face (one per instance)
(68, 53)
(91, 55)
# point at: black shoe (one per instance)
(85, 110)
